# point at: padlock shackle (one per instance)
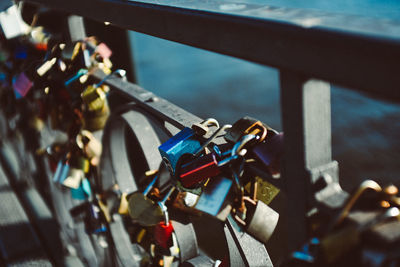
(164, 207)
(212, 137)
(243, 141)
(121, 72)
(168, 195)
(367, 184)
(79, 74)
(210, 122)
(253, 129)
(150, 186)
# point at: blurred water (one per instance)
(365, 131)
(369, 8)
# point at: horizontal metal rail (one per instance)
(351, 51)
(158, 107)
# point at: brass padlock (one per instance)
(94, 121)
(265, 191)
(94, 98)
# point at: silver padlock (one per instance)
(260, 221)
(201, 128)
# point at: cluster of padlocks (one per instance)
(208, 170)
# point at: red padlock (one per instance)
(199, 169)
(163, 234)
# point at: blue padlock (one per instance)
(61, 172)
(184, 142)
(83, 192)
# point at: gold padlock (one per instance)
(94, 98)
(265, 191)
(94, 121)
(123, 206)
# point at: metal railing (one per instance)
(306, 46)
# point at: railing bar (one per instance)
(359, 58)
(153, 104)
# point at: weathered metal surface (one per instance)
(306, 116)
(159, 107)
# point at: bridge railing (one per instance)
(310, 48)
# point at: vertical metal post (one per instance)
(118, 40)
(76, 28)
(306, 116)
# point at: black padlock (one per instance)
(248, 125)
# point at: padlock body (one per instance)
(238, 129)
(262, 222)
(163, 234)
(199, 169)
(74, 178)
(96, 120)
(94, 98)
(61, 172)
(181, 143)
(214, 196)
(247, 125)
(93, 223)
(270, 152)
(83, 191)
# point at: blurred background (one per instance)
(365, 131)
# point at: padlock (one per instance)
(94, 98)
(76, 80)
(265, 191)
(214, 196)
(163, 230)
(214, 136)
(90, 146)
(93, 220)
(199, 170)
(79, 165)
(202, 129)
(74, 178)
(248, 125)
(83, 192)
(45, 68)
(94, 121)
(184, 142)
(269, 153)
(260, 221)
(22, 84)
(91, 216)
(142, 209)
(80, 162)
(12, 23)
(185, 201)
(208, 166)
(61, 172)
(338, 242)
(103, 50)
(69, 51)
(39, 38)
(364, 186)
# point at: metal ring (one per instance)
(116, 152)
